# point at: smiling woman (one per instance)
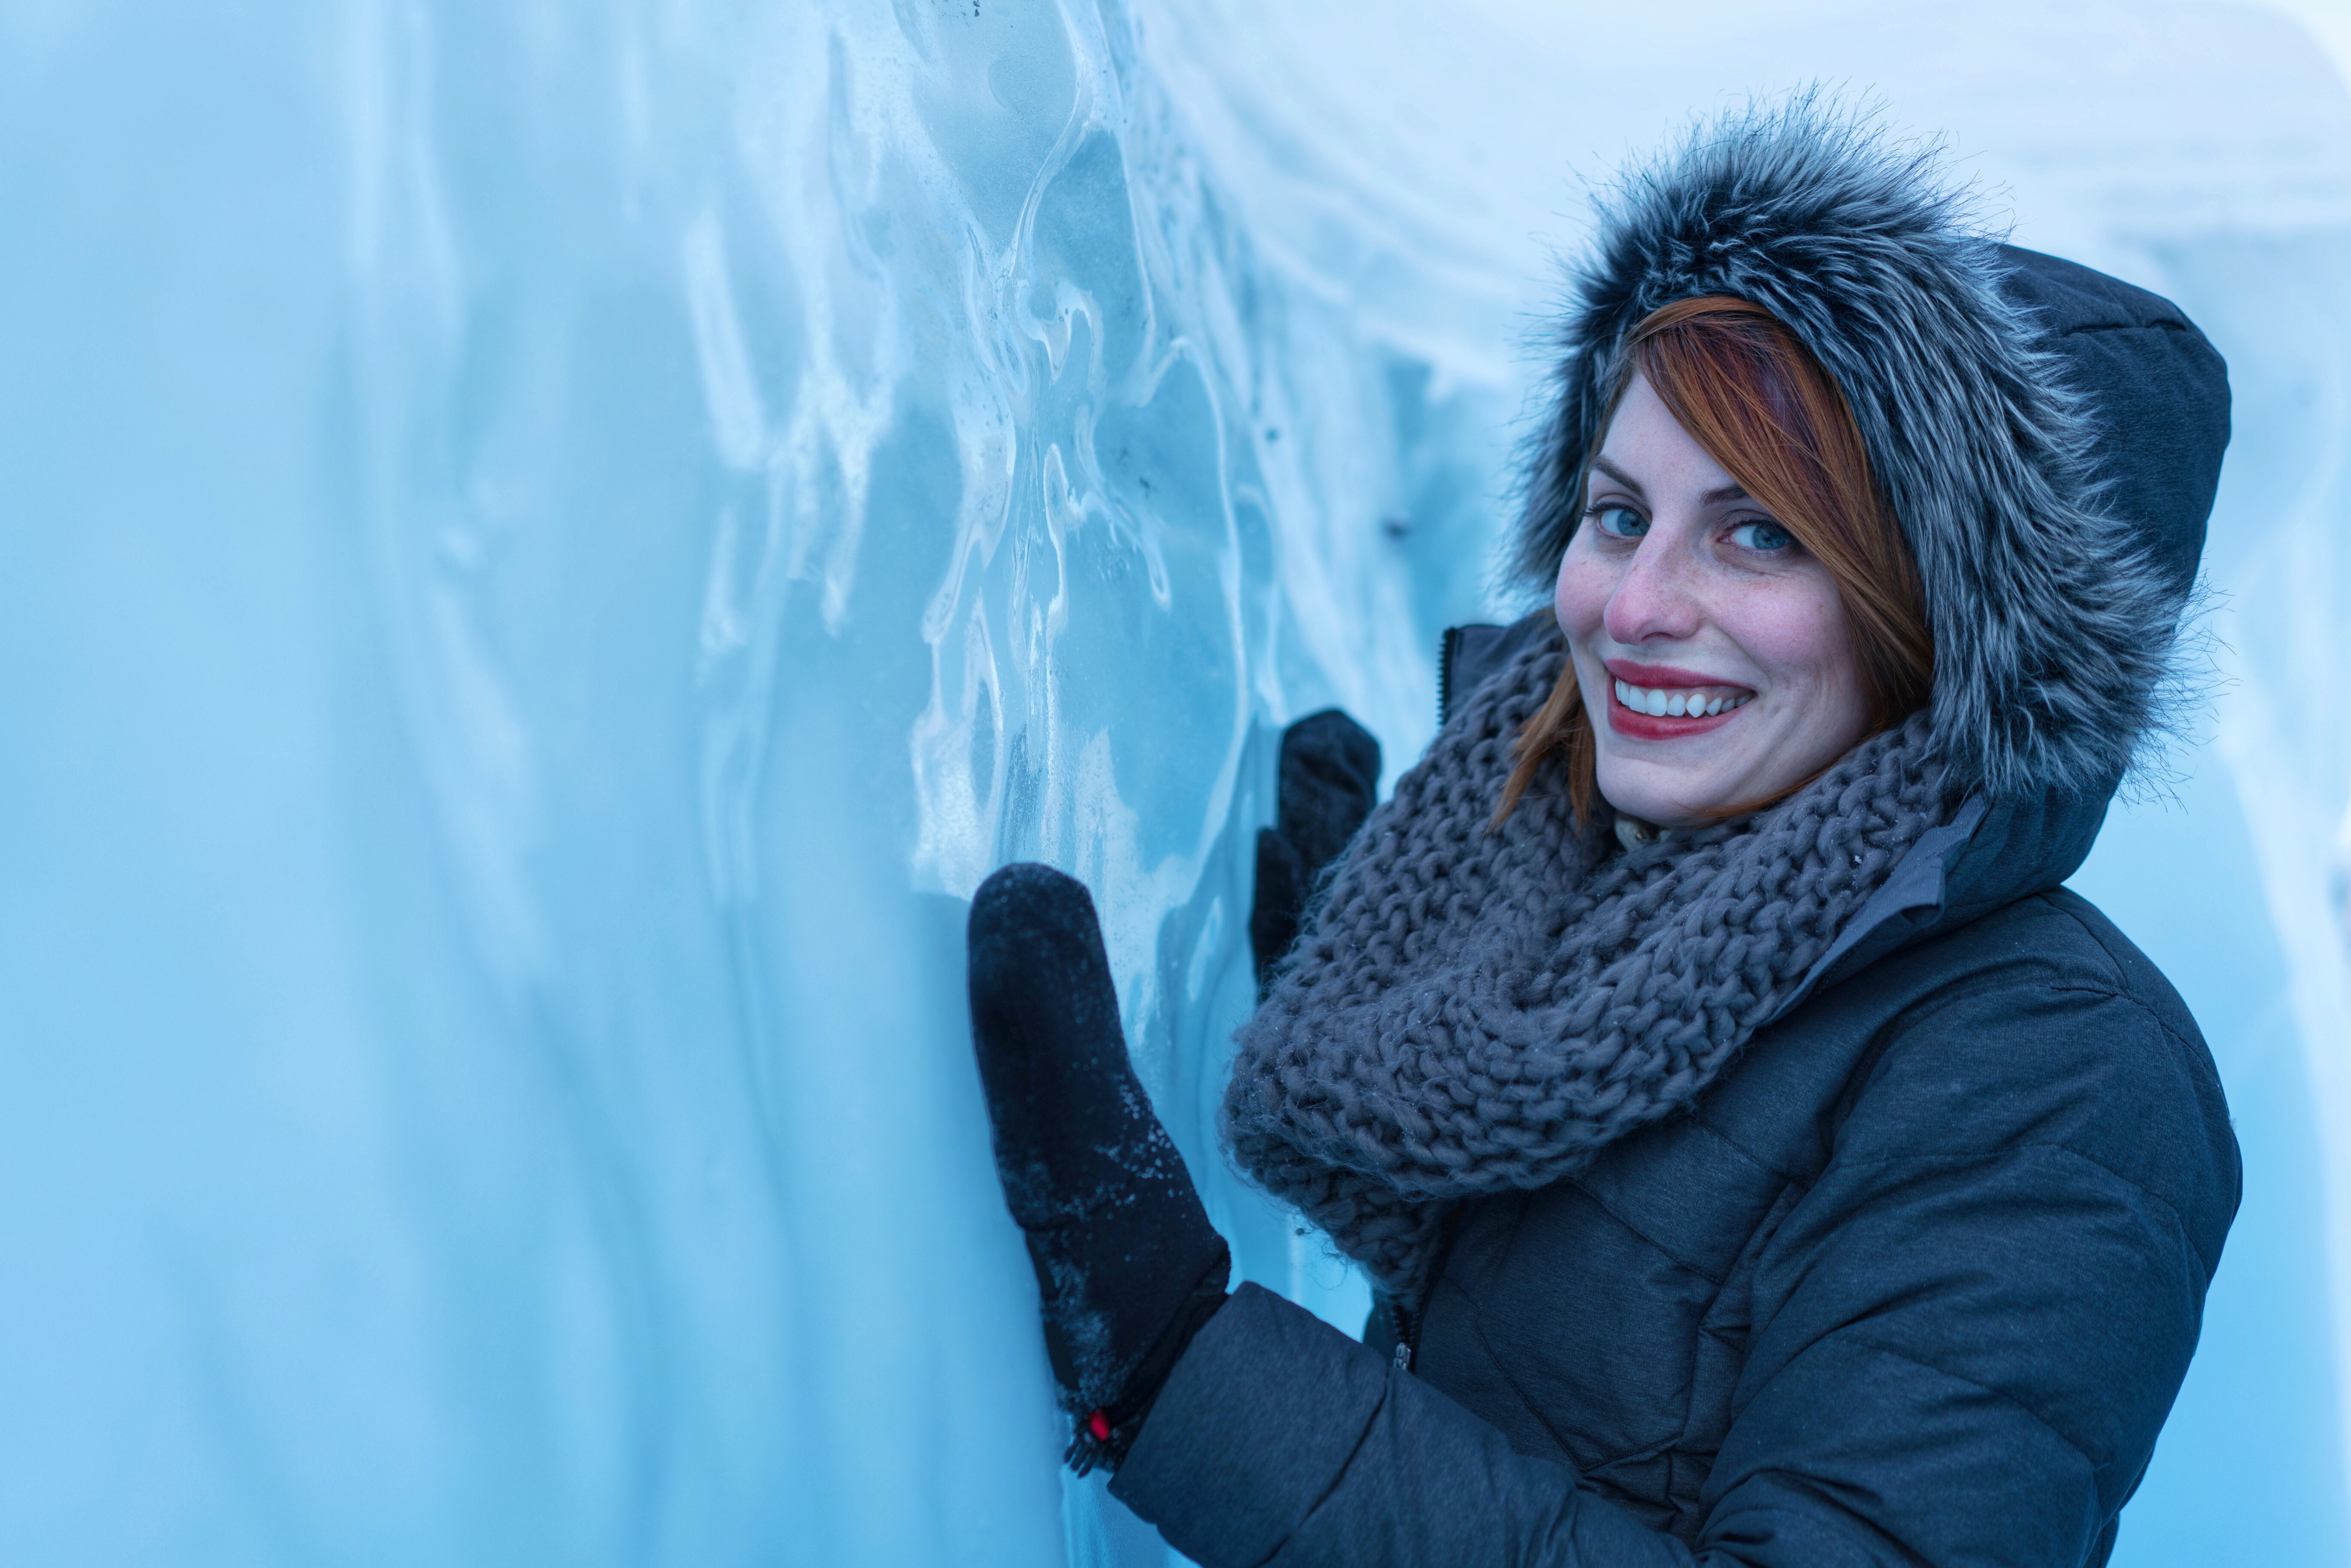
(1818, 1182)
(1739, 606)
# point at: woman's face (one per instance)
(1712, 650)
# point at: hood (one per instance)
(2048, 437)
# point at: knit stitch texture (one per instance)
(1481, 1008)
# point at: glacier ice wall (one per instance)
(549, 547)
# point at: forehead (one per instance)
(1651, 448)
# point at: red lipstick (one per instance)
(1653, 726)
(1637, 724)
(1665, 675)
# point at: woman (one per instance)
(1761, 1157)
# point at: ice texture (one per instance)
(550, 548)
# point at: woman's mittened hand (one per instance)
(1128, 1267)
(1329, 782)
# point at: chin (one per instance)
(1657, 800)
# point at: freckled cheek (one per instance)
(1799, 639)
(1581, 600)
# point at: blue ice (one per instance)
(549, 547)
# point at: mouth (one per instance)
(1652, 703)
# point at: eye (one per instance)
(1619, 522)
(1762, 535)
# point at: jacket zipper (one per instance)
(1447, 647)
(1406, 1324)
(1409, 1322)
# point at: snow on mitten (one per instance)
(1127, 1265)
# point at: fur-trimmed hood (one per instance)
(2049, 438)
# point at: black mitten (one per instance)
(1127, 1265)
(1329, 781)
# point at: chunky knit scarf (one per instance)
(1478, 1009)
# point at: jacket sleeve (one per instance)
(1964, 1338)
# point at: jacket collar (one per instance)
(1989, 855)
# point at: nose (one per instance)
(1655, 600)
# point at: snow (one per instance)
(548, 549)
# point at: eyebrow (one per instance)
(1720, 493)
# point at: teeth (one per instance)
(1660, 702)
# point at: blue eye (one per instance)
(1619, 522)
(1762, 535)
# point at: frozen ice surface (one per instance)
(548, 549)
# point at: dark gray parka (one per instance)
(1916, 1280)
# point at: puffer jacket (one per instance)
(1916, 1280)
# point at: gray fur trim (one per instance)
(1476, 1009)
(2053, 622)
